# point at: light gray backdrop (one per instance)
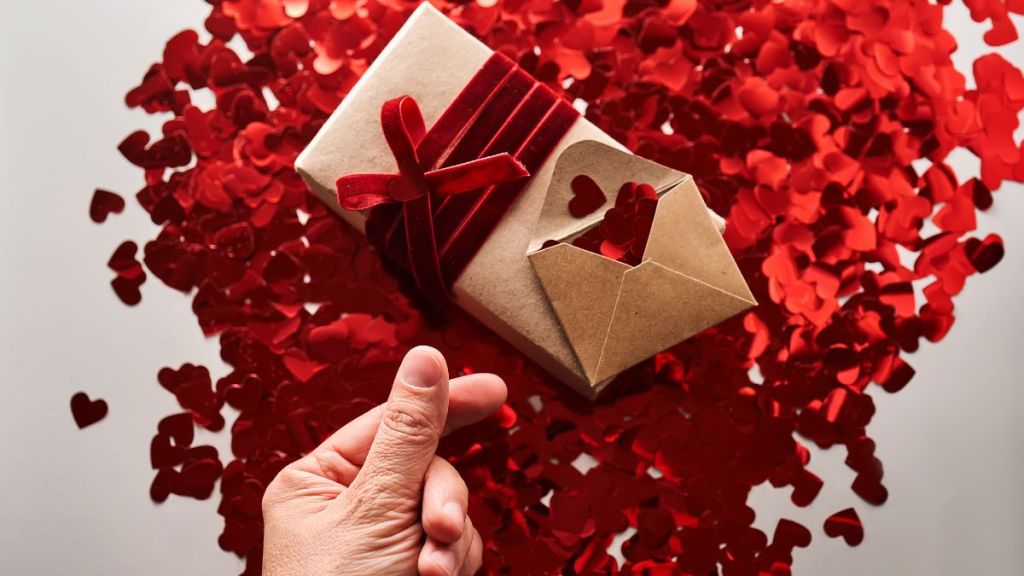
(76, 502)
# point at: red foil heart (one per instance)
(103, 204)
(587, 196)
(845, 524)
(86, 411)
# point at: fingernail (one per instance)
(421, 368)
(454, 511)
(445, 560)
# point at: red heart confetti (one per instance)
(804, 132)
(130, 274)
(984, 254)
(103, 204)
(845, 524)
(87, 411)
(587, 196)
(622, 234)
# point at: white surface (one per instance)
(76, 502)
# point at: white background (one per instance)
(76, 502)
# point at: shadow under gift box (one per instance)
(431, 59)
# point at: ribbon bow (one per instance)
(404, 129)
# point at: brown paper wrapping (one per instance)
(499, 286)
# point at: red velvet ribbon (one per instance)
(456, 181)
(403, 128)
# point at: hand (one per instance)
(354, 504)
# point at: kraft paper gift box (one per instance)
(581, 316)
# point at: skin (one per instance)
(374, 498)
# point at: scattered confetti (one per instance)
(819, 129)
(87, 411)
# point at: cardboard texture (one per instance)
(431, 59)
(615, 315)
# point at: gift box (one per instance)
(461, 168)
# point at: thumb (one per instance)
(410, 427)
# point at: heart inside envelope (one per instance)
(623, 232)
(615, 314)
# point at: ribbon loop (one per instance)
(403, 127)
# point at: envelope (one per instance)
(431, 59)
(615, 315)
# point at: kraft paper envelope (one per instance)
(431, 59)
(616, 315)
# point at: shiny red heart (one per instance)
(788, 532)
(164, 454)
(197, 478)
(246, 394)
(587, 196)
(984, 254)
(87, 411)
(847, 524)
(103, 204)
(250, 495)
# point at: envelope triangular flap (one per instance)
(582, 288)
(657, 308)
(687, 282)
(685, 239)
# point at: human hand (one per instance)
(361, 502)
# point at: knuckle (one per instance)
(409, 422)
(374, 501)
(375, 507)
(362, 501)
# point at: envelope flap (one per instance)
(657, 308)
(610, 168)
(685, 239)
(582, 288)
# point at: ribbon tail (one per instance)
(422, 251)
(364, 191)
(475, 174)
